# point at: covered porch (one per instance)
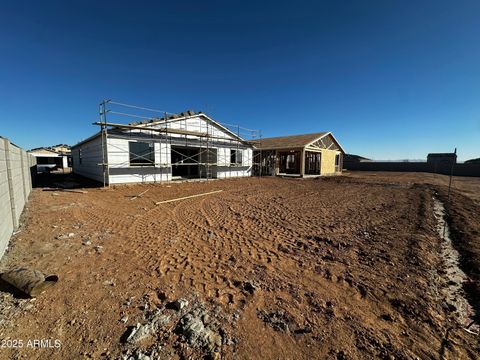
(309, 155)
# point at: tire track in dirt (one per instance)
(191, 242)
(204, 243)
(259, 228)
(105, 220)
(207, 239)
(150, 234)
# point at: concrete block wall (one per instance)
(15, 187)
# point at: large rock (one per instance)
(141, 332)
(196, 333)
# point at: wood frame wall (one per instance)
(303, 166)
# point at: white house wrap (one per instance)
(189, 145)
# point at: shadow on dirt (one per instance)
(64, 181)
(7, 288)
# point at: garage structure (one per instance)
(303, 155)
(188, 145)
(49, 159)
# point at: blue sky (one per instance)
(391, 79)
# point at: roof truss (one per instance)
(326, 141)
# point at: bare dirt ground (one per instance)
(467, 186)
(463, 210)
(331, 268)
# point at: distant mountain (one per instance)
(473, 161)
(354, 158)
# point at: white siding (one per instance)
(228, 171)
(198, 124)
(121, 172)
(223, 156)
(119, 163)
(91, 159)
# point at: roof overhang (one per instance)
(283, 147)
(44, 153)
(87, 140)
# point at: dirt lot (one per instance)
(335, 268)
(467, 186)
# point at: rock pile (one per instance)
(181, 324)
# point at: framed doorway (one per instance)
(290, 162)
(312, 163)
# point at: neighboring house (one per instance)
(48, 159)
(61, 148)
(298, 155)
(184, 146)
(442, 158)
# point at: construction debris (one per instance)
(139, 195)
(31, 282)
(187, 197)
(66, 190)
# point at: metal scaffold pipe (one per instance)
(139, 107)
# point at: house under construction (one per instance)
(192, 145)
(304, 155)
(174, 146)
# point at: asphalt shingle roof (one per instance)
(282, 142)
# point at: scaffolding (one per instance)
(179, 143)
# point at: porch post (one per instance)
(320, 163)
(277, 162)
(302, 162)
